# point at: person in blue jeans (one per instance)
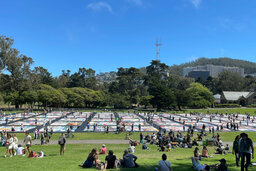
(91, 159)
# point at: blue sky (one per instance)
(107, 34)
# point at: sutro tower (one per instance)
(158, 44)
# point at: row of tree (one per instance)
(154, 86)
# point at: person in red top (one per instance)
(103, 149)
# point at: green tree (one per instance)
(42, 76)
(5, 51)
(181, 98)
(229, 81)
(145, 100)
(84, 78)
(119, 101)
(29, 97)
(49, 96)
(199, 96)
(156, 70)
(163, 97)
(13, 98)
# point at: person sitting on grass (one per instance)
(162, 148)
(194, 143)
(205, 152)
(222, 166)
(227, 148)
(169, 147)
(145, 147)
(91, 159)
(110, 161)
(198, 166)
(219, 150)
(129, 160)
(103, 149)
(131, 148)
(196, 152)
(20, 150)
(164, 165)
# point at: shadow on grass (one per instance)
(179, 167)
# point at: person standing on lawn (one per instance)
(235, 150)
(62, 142)
(27, 142)
(245, 149)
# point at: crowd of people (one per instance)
(242, 147)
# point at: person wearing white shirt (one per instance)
(8, 144)
(11, 146)
(15, 144)
(27, 142)
(20, 150)
(131, 149)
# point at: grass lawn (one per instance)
(90, 136)
(76, 154)
(225, 136)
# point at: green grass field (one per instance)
(76, 154)
(225, 136)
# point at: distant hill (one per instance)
(249, 67)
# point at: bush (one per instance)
(252, 106)
(227, 105)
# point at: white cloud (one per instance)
(100, 6)
(196, 3)
(136, 2)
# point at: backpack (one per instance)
(99, 166)
(62, 141)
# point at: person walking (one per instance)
(245, 149)
(27, 142)
(235, 150)
(62, 142)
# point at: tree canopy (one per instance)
(156, 85)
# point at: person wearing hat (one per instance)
(103, 149)
(222, 166)
(246, 149)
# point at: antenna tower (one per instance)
(158, 45)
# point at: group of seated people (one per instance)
(128, 161)
(222, 166)
(175, 140)
(205, 154)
